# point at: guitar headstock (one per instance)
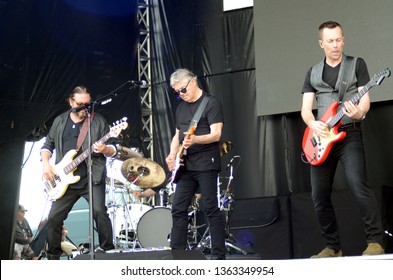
(380, 76)
(118, 127)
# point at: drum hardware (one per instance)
(226, 204)
(124, 153)
(127, 230)
(116, 179)
(193, 236)
(161, 193)
(170, 189)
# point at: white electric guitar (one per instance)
(64, 170)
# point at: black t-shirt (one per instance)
(200, 157)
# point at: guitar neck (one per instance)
(79, 159)
(190, 132)
(355, 100)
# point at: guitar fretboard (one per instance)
(78, 160)
(355, 100)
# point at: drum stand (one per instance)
(192, 235)
(112, 205)
(226, 206)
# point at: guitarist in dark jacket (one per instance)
(338, 78)
(201, 161)
(63, 137)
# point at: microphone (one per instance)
(231, 161)
(80, 108)
(139, 83)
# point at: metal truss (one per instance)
(145, 74)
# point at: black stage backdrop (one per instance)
(50, 46)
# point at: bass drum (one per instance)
(154, 228)
(127, 218)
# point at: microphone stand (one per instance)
(89, 110)
(113, 93)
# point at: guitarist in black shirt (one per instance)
(201, 161)
(63, 137)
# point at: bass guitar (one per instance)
(179, 163)
(64, 170)
(315, 148)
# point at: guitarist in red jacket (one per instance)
(339, 78)
(201, 161)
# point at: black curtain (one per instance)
(48, 47)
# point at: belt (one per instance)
(350, 126)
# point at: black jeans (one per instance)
(61, 208)
(350, 152)
(185, 190)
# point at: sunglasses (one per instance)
(79, 104)
(183, 90)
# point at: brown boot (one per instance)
(373, 249)
(328, 253)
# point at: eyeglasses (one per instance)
(183, 90)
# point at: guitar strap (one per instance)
(83, 132)
(199, 111)
(345, 77)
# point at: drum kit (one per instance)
(134, 220)
(139, 223)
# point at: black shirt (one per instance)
(200, 157)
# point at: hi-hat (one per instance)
(124, 153)
(143, 172)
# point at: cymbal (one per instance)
(124, 153)
(225, 147)
(146, 173)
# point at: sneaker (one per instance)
(328, 253)
(373, 249)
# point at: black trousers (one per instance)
(61, 208)
(350, 153)
(185, 191)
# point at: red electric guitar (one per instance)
(315, 148)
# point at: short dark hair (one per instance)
(330, 25)
(77, 90)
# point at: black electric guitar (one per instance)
(64, 170)
(315, 148)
